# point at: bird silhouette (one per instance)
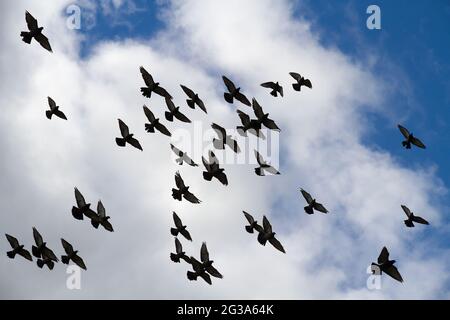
(44, 254)
(152, 86)
(234, 93)
(199, 271)
(266, 234)
(127, 137)
(100, 218)
(183, 190)
(154, 123)
(252, 126)
(301, 81)
(193, 99)
(253, 224)
(207, 263)
(264, 166)
(54, 110)
(275, 86)
(263, 118)
(71, 255)
(412, 218)
(182, 157)
(179, 253)
(410, 139)
(174, 112)
(312, 204)
(179, 228)
(34, 32)
(224, 139)
(213, 170)
(387, 266)
(82, 208)
(17, 249)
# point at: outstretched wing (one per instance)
(214, 272)
(124, 131)
(60, 114)
(79, 198)
(51, 103)
(37, 237)
(269, 84)
(188, 91)
(189, 161)
(182, 117)
(148, 79)
(67, 246)
(295, 75)
(204, 254)
(242, 98)
(191, 197)
(307, 83)
(274, 241)
(420, 220)
(135, 143)
(384, 255)
(393, 272)
(79, 262)
(417, 143)
(233, 144)
(406, 210)
(404, 131)
(221, 132)
(259, 158)
(245, 118)
(162, 92)
(266, 225)
(257, 109)
(307, 196)
(101, 211)
(150, 116)
(43, 41)
(177, 220)
(320, 207)
(249, 217)
(12, 241)
(32, 23)
(178, 246)
(163, 129)
(179, 181)
(269, 123)
(177, 151)
(229, 84)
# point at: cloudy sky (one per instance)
(339, 141)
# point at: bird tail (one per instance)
(50, 264)
(191, 275)
(409, 223)
(120, 142)
(207, 176)
(273, 93)
(169, 116)
(149, 127)
(95, 224)
(228, 97)
(259, 171)
(176, 194)
(190, 103)
(35, 251)
(11, 254)
(249, 229)
(26, 37)
(40, 263)
(77, 214)
(146, 92)
(65, 259)
(296, 86)
(174, 257)
(309, 210)
(48, 114)
(173, 232)
(406, 144)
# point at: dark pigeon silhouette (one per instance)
(387, 266)
(253, 224)
(44, 254)
(207, 263)
(182, 157)
(234, 93)
(193, 99)
(252, 126)
(154, 123)
(275, 86)
(224, 139)
(199, 271)
(263, 118)
(71, 255)
(301, 81)
(180, 254)
(410, 139)
(34, 32)
(412, 218)
(183, 190)
(179, 228)
(17, 249)
(100, 218)
(264, 166)
(213, 170)
(152, 86)
(174, 112)
(312, 204)
(127, 137)
(54, 110)
(82, 208)
(268, 235)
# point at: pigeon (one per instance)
(154, 123)
(312, 204)
(387, 266)
(275, 86)
(207, 263)
(193, 99)
(180, 254)
(152, 86)
(44, 254)
(71, 255)
(17, 249)
(224, 139)
(268, 235)
(263, 166)
(213, 169)
(183, 190)
(82, 207)
(54, 110)
(174, 112)
(199, 271)
(100, 218)
(34, 32)
(127, 137)
(179, 228)
(263, 118)
(234, 93)
(182, 157)
(412, 218)
(249, 125)
(410, 139)
(301, 81)
(253, 224)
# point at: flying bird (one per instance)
(387, 266)
(34, 32)
(193, 99)
(207, 263)
(213, 170)
(253, 224)
(71, 255)
(179, 228)
(275, 86)
(44, 254)
(412, 218)
(82, 207)
(234, 93)
(224, 139)
(263, 166)
(174, 112)
(263, 118)
(268, 235)
(180, 254)
(253, 126)
(127, 137)
(312, 204)
(100, 218)
(199, 271)
(182, 157)
(154, 123)
(183, 190)
(301, 81)
(54, 110)
(410, 139)
(17, 249)
(152, 86)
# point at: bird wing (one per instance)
(177, 151)
(307, 196)
(67, 246)
(295, 75)
(179, 181)
(266, 225)
(249, 217)
(37, 237)
(269, 84)
(222, 177)
(271, 170)
(26, 254)
(177, 220)
(162, 92)
(229, 84)
(43, 41)
(189, 161)
(204, 254)
(393, 272)
(233, 144)
(406, 210)
(79, 261)
(178, 246)
(12, 241)
(384, 255)
(269, 123)
(163, 129)
(51, 103)
(124, 131)
(274, 241)
(221, 132)
(148, 79)
(242, 98)
(320, 207)
(259, 158)
(182, 117)
(191, 198)
(48, 253)
(259, 113)
(208, 166)
(245, 118)
(170, 105)
(60, 114)
(417, 143)
(281, 91)
(32, 23)
(150, 116)
(420, 220)
(201, 105)
(214, 272)
(79, 198)
(101, 211)
(212, 158)
(188, 91)
(135, 143)
(307, 83)
(404, 131)
(186, 234)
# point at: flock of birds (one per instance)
(202, 268)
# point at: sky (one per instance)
(339, 141)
